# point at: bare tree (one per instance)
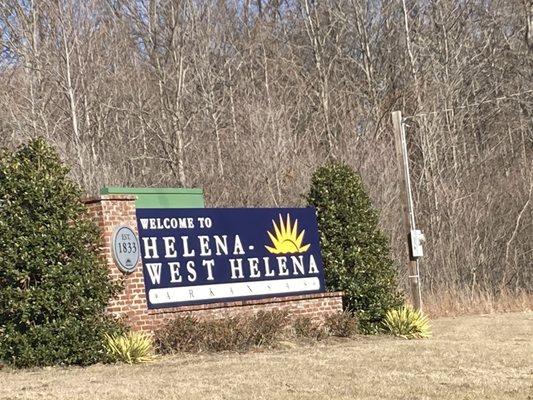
(247, 98)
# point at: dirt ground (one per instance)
(472, 357)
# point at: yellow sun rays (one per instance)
(286, 239)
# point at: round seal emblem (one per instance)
(125, 248)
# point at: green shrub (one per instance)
(130, 348)
(355, 252)
(54, 285)
(407, 323)
(342, 324)
(237, 333)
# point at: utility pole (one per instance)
(414, 237)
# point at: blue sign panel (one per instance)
(195, 256)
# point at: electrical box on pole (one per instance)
(417, 238)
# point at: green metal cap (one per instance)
(161, 197)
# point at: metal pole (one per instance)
(407, 205)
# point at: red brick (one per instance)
(109, 211)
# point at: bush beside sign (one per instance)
(196, 256)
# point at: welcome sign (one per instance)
(195, 256)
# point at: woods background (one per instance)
(245, 98)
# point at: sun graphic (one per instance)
(286, 239)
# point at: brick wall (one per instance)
(109, 211)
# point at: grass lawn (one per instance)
(472, 357)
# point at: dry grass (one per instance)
(475, 357)
(454, 302)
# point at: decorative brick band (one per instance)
(109, 211)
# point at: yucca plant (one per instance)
(131, 347)
(407, 323)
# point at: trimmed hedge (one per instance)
(237, 333)
(243, 332)
(354, 250)
(54, 286)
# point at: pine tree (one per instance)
(54, 286)
(355, 252)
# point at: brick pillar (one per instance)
(108, 212)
